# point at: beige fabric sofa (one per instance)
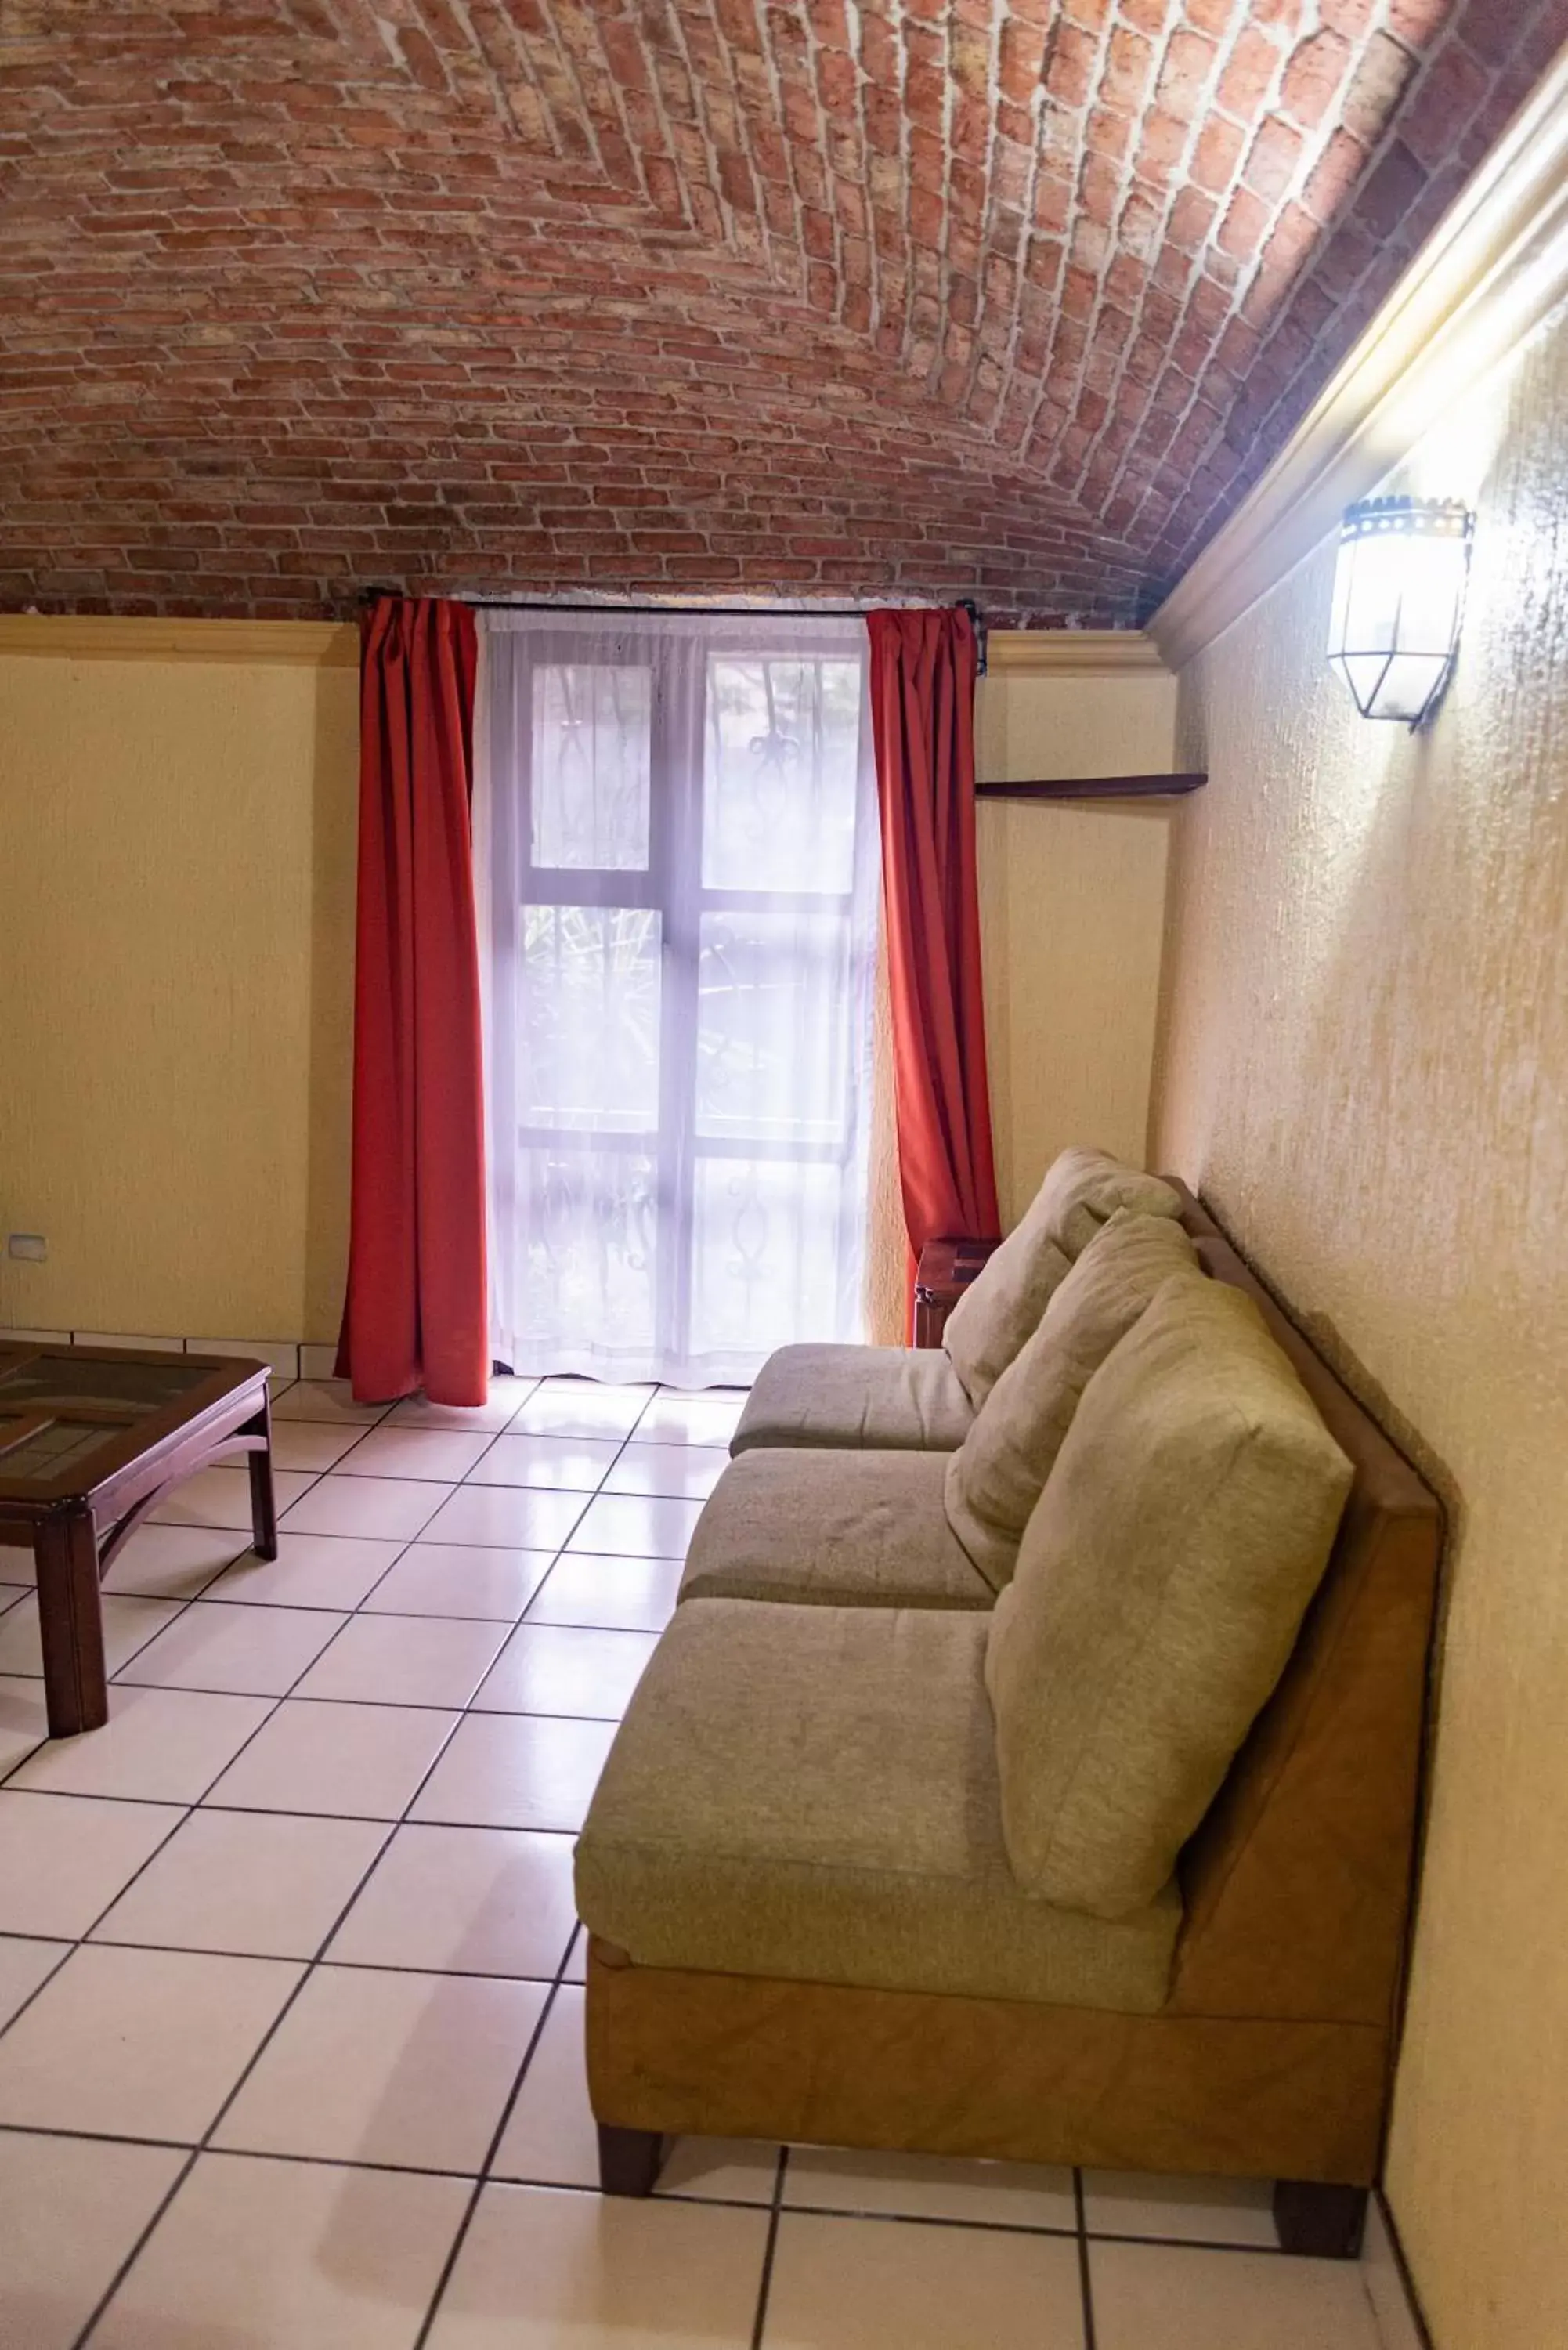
(905, 1398)
(890, 1529)
(807, 1922)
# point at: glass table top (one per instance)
(57, 1409)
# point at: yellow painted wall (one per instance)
(1365, 1066)
(176, 959)
(176, 954)
(1072, 901)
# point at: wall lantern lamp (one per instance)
(1398, 599)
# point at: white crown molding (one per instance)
(1494, 266)
(1070, 652)
(323, 644)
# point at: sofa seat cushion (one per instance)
(1160, 1589)
(995, 1479)
(895, 1398)
(832, 1529)
(810, 1793)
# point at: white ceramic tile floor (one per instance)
(137, 2043)
(158, 1746)
(288, 2256)
(173, 1561)
(22, 1724)
(127, 1625)
(328, 1399)
(612, 1595)
(635, 1525)
(386, 1508)
(512, 1517)
(405, 1661)
(330, 1955)
(686, 1473)
(222, 1497)
(23, 1965)
(310, 1444)
(461, 1579)
(70, 2212)
(257, 1884)
(335, 1570)
(488, 1901)
(572, 1464)
(554, 1668)
(237, 1651)
(439, 1456)
(62, 1862)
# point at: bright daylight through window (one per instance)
(677, 831)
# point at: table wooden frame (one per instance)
(76, 1528)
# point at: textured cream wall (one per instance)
(1365, 1066)
(1072, 901)
(176, 956)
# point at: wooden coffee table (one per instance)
(91, 1438)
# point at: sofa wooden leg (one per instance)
(1325, 2221)
(630, 2160)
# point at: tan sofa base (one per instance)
(683, 2053)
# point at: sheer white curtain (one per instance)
(677, 837)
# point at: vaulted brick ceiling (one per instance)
(906, 297)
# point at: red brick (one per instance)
(1217, 154)
(1375, 87)
(1183, 77)
(1162, 147)
(1451, 95)
(1192, 218)
(1070, 73)
(1337, 171)
(769, 296)
(1242, 229)
(1391, 192)
(1418, 20)
(1129, 65)
(1272, 159)
(1313, 76)
(1245, 84)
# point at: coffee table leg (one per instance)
(70, 1623)
(263, 1507)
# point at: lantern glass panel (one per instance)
(1398, 599)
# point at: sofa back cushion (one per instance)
(1003, 1306)
(1159, 1589)
(995, 1479)
(1084, 1189)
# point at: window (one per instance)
(679, 872)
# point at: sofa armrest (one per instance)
(945, 1271)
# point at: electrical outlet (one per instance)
(32, 1247)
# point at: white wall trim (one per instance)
(86, 636)
(1071, 652)
(1495, 266)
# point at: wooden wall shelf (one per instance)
(1097, 787)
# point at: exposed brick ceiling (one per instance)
(907, 297)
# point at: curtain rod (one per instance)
(677, 611)
(708, 611)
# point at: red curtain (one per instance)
(922, 716)
(416, 1310)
